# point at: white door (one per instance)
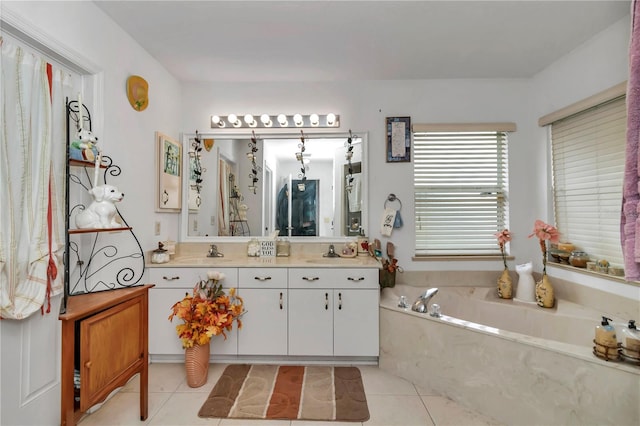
(30, 348)
(264, 325)
(355, 318)
(311, 322)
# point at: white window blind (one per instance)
(460, 188)
(588, 152)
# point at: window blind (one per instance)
(588, 155)
(460, 190)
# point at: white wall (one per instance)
(81, 30)
(597, 65)
(363, 107)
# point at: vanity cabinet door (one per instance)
(264, 324)
(171, 286)
(311, 322)
(163, 339)
(355, 320)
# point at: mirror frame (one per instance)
(246, 134)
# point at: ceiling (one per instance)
(274, 41)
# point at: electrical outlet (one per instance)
(157, 227)
(195, 224)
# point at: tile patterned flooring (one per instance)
(391, 400)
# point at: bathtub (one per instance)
(514, 361)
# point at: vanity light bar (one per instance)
(279, 121)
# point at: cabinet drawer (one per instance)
(333, 278)
(262, 277)
(187, 277)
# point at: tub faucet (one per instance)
(420, 305)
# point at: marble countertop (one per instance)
(193, 255)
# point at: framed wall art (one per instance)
(398, 139)
(169, 163)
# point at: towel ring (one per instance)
(391, 198)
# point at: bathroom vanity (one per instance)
(305, 305)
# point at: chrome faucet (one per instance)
(420, 305)
(213, 251)
(331, 252)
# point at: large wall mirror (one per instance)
(246, 185)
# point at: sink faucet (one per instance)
(213, 252)
(331, 252)
(420, 305)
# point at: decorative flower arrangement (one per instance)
(544, 289)
(505, 283)
(503, 237)
(207, 312)
(545, 232)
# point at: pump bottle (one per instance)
(606, 340)
(630, 341)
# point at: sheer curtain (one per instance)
(32, 179)
(630, 221)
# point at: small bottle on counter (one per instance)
(630, 341)
(606, 340)
(160, 255)
(253, 248)
(283, 247)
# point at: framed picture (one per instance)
(169, 162)
(398, 139)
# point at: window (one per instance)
(460, 188)
(588, 167)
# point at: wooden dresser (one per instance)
(105, 337)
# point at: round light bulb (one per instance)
(217, 121)
(233, 119)
(297, 119)
(331, 119)
(266, 120)
(282, 119)
(314, 119)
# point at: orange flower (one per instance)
(545, 231)
(207, 313)
(503, 237)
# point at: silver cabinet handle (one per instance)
(339, 300)
(280, 300)
(355, 279)
(262, 278)
(326, 301)
(310, 278)
(172, 278)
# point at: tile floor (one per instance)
(391, 400)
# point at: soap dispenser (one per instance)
(630, 340)
(606, 340)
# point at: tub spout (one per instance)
(420, 305)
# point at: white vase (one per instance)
(526, 290)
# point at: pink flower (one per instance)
(503, 237)
(545, 231)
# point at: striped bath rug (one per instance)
(288, 392)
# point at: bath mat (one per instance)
(288, 392)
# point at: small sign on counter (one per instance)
(268, 248)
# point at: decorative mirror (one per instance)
(290, 184)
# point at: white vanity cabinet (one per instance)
(171, 284)
(264, 324)
(333, 312)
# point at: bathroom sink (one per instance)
(200, 260)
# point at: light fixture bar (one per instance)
(277, 121)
